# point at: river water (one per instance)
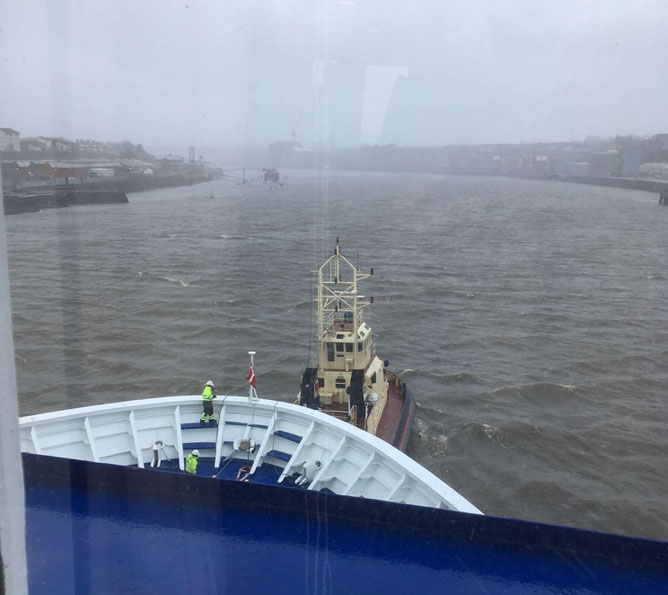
(529, 319)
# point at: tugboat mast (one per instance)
(340, 308)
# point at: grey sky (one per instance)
(229, 72)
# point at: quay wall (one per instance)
(659, 187)
(113, 191)
(656, 186)
(16, 204)
(127, 184)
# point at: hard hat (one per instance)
(210, 383)
(196, 453)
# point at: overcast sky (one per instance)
(229, 72)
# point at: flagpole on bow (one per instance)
(252, 393)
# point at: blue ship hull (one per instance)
(96, 528)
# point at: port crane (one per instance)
(293, 134)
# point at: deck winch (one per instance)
(245, 444)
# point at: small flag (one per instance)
(251, 376)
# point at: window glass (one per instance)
(173, 172)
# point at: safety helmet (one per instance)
(210, 383)
(195, 453)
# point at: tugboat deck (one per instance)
(395, 423)
(397, 419)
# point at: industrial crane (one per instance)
(293, 134)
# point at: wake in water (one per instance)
(183, 282)
(540, 392)
(482, 433)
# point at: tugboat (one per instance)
(349, 381)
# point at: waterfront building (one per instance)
(60, 145)
(89, 146)
(10, 140)
(35, 144)
(654, 170)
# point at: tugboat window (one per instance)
(330, 352)
(321, 382)
(360, 346)
(349, 347)
(373, 378)
(339, 346)
(340, 383)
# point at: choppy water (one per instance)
(530, 317)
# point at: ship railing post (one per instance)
(219, 435)
(179, 438)
(135, 440)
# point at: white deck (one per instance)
(353, 462)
